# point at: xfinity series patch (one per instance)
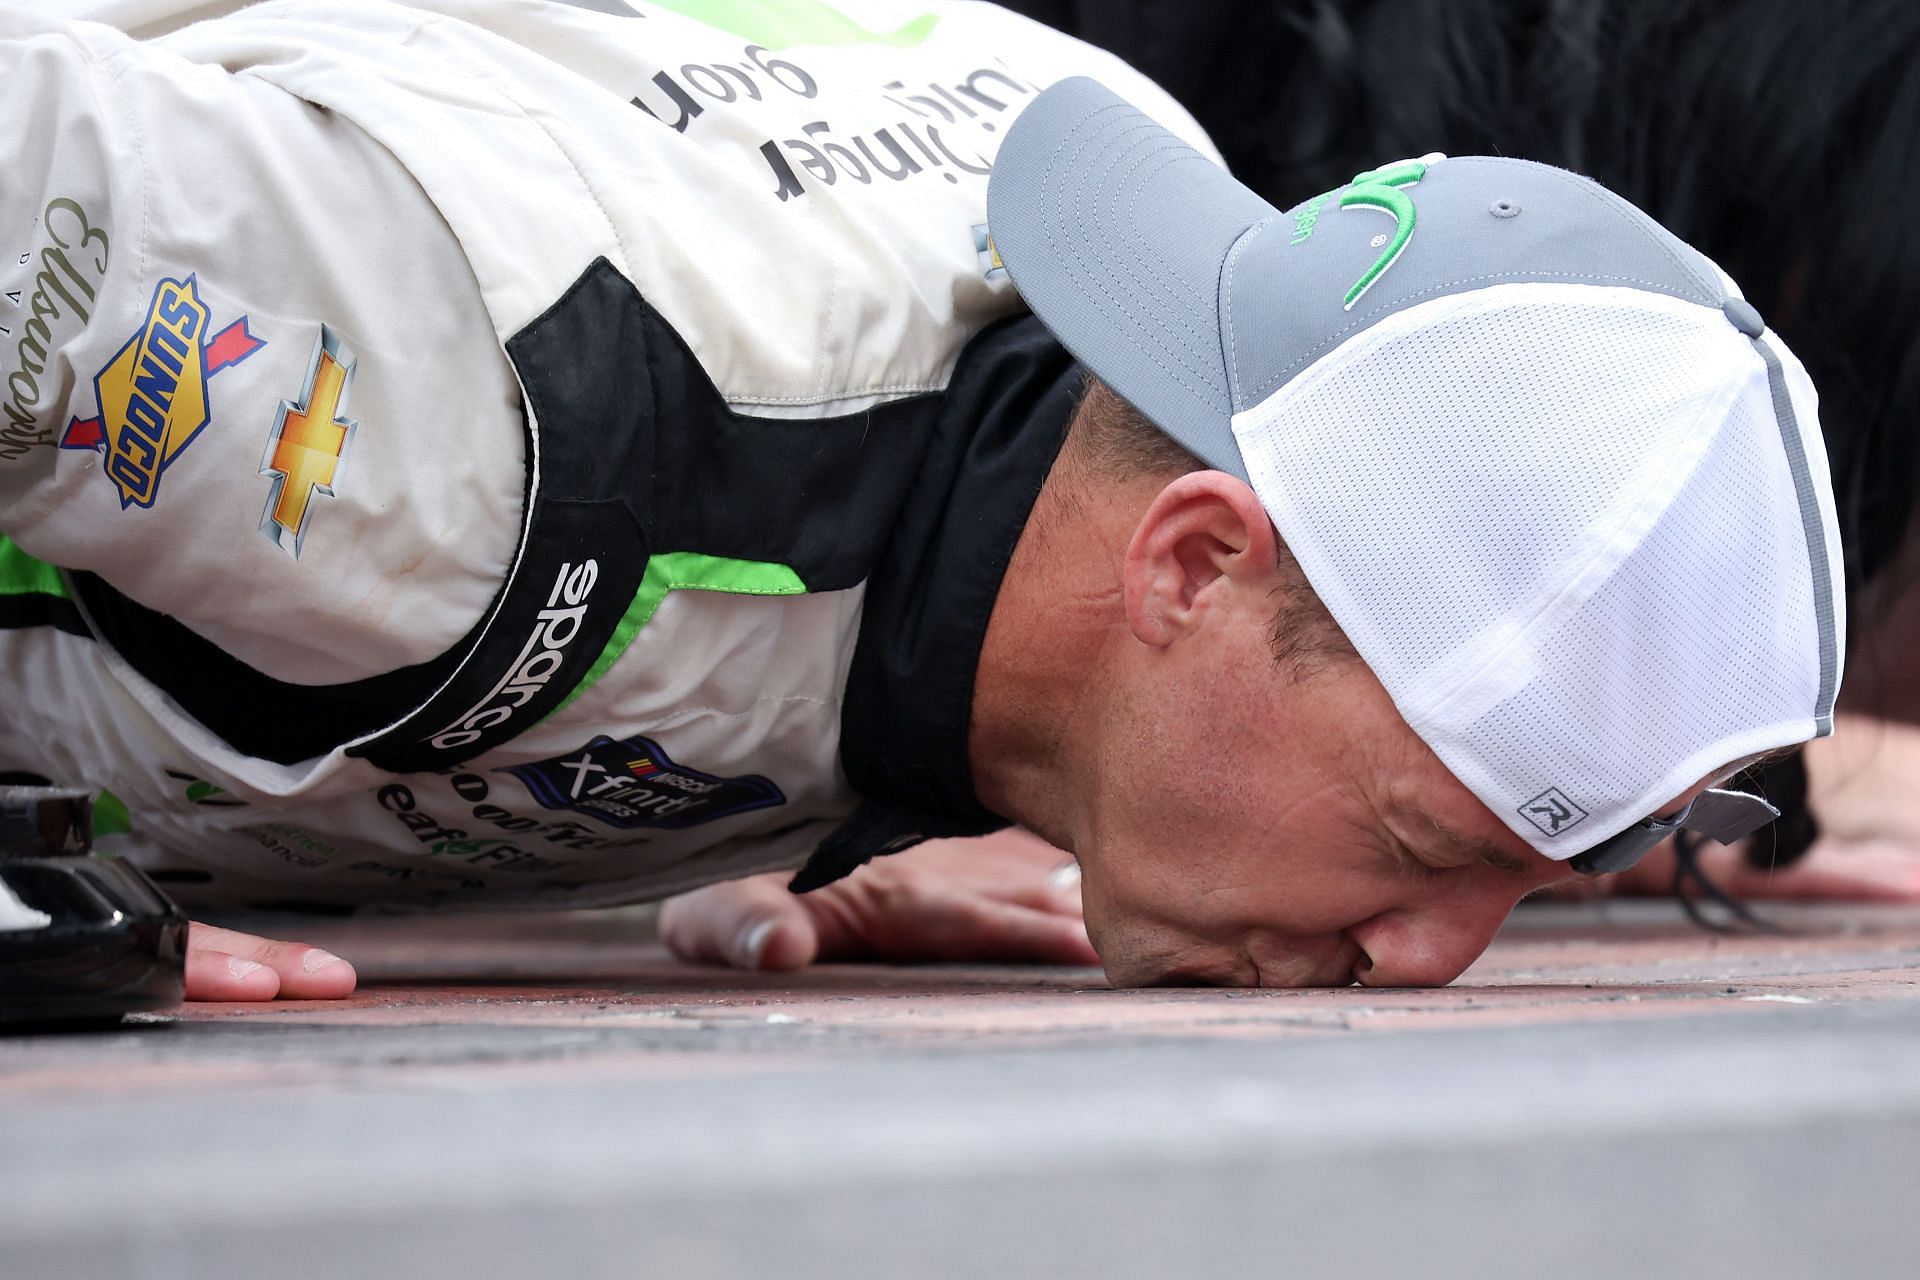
(631, 783)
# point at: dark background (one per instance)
(1780, 137)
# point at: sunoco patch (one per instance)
(631, 782)
(153, 393)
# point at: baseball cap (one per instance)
(1556, 480)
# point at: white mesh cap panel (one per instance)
(1698, 650)
(1567, 576)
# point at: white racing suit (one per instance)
(463, 428)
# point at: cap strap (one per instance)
(1724, 815)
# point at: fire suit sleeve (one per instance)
(246, 375)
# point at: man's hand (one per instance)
(224, 965)
(1003, 898)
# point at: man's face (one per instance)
(1239, 820)
(1284, 833)
(1254, 825)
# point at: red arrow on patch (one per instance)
(230, 346)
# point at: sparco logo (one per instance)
(554, 628)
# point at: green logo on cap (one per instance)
(1380, 189)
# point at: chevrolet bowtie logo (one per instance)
(309, 444)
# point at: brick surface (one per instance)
(555, 1090)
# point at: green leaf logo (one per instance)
(1380, 189)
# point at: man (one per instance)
(539, 455)
(1596, 88)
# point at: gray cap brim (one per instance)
(1115, 232)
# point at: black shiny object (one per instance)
(44, 822)
(81, 937)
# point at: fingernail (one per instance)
(316, 960)
(752, 941)
(1065, 876)
(238, 968)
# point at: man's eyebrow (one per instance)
(1466, 846)
(1501, 860)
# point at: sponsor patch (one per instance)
(1552, 812)
(308, 444)
(544, 652)
(72, 264)
(479, 848)
(153, 393)
(292, 845)
(631, 782)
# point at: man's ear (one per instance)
(1204, 530)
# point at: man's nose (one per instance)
(1430, 944)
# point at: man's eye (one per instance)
(1413, 862)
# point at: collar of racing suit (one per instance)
(909, 696)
